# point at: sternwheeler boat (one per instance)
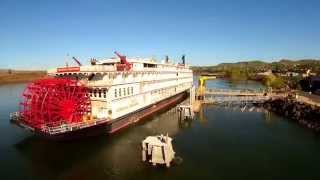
(103, 97)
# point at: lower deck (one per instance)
(108, 126)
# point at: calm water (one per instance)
(222, 144)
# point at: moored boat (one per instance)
(104, 96)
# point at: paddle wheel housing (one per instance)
(54, 101)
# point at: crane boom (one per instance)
(77, 61)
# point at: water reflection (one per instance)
(111, 156)
(222, 142)
(202, 115)
(185, 123)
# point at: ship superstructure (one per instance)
(120, 92)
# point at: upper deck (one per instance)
(115, 65)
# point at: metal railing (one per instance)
(251, 99)
(235, 92)
(62, 127)
(56, 127)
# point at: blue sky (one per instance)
(39, 34)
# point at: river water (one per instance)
(220, 143)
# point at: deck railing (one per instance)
(56, 127)
(62, 127)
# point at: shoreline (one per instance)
(302, 112)
(16, 77)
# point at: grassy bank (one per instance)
(11, 76)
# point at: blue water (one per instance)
(221, 143)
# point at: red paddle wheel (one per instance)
(54, 101)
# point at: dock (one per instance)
(214, 96)
(218, 96)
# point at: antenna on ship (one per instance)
(66, 59)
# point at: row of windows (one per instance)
(162, 91)
(98, 93)
(123, 92)
(111, 75)
(146, 65)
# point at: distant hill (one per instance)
(282, 66)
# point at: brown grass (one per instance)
(20, 76)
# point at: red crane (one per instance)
(124, 64)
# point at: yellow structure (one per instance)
(201, 92)
(202, 84)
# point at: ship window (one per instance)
(119, 92)
(100, 93)
(128, 90)
(131, 90)
(124, 91)
(95, 93)
(104, 93)
(146, 65)
(115, 92)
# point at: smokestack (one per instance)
(183, 59)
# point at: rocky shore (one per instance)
(302, 113)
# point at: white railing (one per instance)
(234, 92)
(62, 127)
(57, 127)
(236, 99)
(14, 116)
